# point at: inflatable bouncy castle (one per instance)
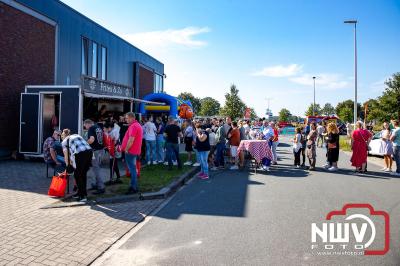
(173, 106)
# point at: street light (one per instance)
(313, 108)
(355, 67)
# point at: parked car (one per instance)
(375, 145)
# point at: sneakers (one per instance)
(82, 199)
(327, 166)
(387, 170)
(175, 163)
(204, 177)
(265, 168)
(165, 163)
(99, 192)
(196, 164)
(188, 163)
(148, 163)
(131, 191)
(332, 169)
(234, 167)
(383, 169)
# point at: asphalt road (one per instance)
(242, 218)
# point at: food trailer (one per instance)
(48, 107)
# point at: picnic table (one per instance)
(258, 149)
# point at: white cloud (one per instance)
(163, 38)
(323, 80)
(279, 71)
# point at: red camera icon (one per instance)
(372, 212)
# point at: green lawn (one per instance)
(152, 178)
(344, 143)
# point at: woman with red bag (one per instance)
(78, 157)
(110, 139)
(361, 138)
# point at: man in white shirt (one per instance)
(150, 134)
(320, 131)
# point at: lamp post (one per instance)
(313, 108)
(355, 67)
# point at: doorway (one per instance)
(50, 113)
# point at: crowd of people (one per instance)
(211, 144)
(308, 138)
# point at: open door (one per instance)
(29, 123)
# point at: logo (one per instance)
(357, 229)
(92, 84)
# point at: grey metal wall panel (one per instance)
(72, 25)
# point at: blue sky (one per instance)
(269, 49)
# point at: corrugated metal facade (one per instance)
(121, 56)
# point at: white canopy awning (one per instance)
(102, 96)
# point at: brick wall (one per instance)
(26, 58)
(146, 82)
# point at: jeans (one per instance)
(150, 148)
(173, 150)
(274, 146)
(396, 155)
(219, 157)
(130, 161)
(197, 156)
(203, 158)
(160, 147)
(96, 163)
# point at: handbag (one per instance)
(58, 185)
(332, 145)
(366, 143)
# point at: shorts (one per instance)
(188, 144)
(234, 151)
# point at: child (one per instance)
(110, 139)
(234, 142)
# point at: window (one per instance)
(103, 63)
(94, 60)
(84, 59)
(158, 83)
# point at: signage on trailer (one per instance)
(102, 87)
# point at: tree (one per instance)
(234, 107)
(253, 114)
(328, 109)
(209, 106)
(348, 104)
(346, 114)
(310, 109)
(187, 96)
(390, 100)
(284, 115)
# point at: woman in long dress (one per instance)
(386, 147)
(361, 138)
(332, 146)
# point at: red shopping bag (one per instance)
(58, 185)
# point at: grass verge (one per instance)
(344, 143)
(152, 179)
